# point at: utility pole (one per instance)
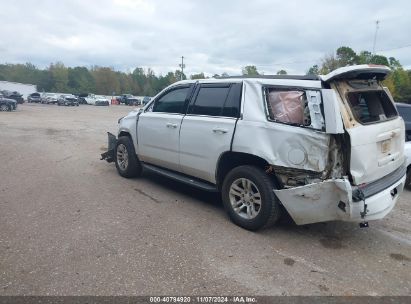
(377, 26)
(182, 66)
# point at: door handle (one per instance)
(220, 130)
(171, 125)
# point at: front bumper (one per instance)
(109, 156)
(102, 103)
(337, 199)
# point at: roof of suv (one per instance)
(297, 81)
(364, 71)
(294, 77)
(256, 77)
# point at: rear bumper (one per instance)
(337, 199)
(380, 204)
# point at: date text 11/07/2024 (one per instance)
(204, 299)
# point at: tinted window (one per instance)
(172, 102)
(210, 101)
(232, 104)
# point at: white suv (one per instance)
(326, 148)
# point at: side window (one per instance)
(210, 100)
(172, 102)
(295, 107)
(232, 104)
(217, 100)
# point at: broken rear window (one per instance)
(295, 107)
(371, 106)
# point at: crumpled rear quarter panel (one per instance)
(279, 144)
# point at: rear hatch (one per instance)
(375, 129)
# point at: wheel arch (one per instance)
(229, 160)
(124, 133)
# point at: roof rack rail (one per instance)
(294, 77)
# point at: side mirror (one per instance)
(333, 120)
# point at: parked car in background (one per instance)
(129, 100)
(67, 100)
(404, 110)
(407, 153)
(146, 99)
(13, 95)
(101, 101)
(82, 98)
(34, 97)
(96, 100)
(7, 104)
(49, 98)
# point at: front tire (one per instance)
(5, 108)
(249, 199)
(127, 163)
(408, 179)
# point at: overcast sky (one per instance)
(215, 36)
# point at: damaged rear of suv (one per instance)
(364, 170)
(326, 148)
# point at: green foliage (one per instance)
(198, 76)
(106, 80)
(314, 70)
(99, 80)
(329, 63)
(250, 70)
(346, 56)
(80, 80)
(59, 77)
(282, 72)
(399, 84)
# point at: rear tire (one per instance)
(249, 199)
(126, 160)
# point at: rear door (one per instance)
(370, 118)
(207, 129)
(158, 128)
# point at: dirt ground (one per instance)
(70, 225)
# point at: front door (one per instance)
(158, 129)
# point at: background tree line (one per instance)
(100, 80)
(105, 80)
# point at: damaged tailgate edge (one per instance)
(109, 155)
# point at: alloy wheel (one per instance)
(245, 198)
(122, 157)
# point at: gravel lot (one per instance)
(70, 225)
